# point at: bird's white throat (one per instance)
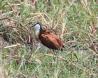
(37, 28)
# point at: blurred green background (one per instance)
(74, 21)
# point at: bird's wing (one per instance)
(61, 43)
(52, 40)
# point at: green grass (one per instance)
(71, 20)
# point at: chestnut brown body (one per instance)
(50, 40)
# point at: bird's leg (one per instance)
(35, 51)
(39, 46)
(56, 60)
(50, 51)
(55, 57)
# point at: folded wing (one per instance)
(51, 41)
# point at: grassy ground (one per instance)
(74, 21)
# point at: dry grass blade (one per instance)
(15, 45)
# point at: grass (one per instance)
(74, 21)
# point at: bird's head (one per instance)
(37, 26)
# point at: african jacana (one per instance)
(47, 38)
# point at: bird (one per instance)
(47, 38)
